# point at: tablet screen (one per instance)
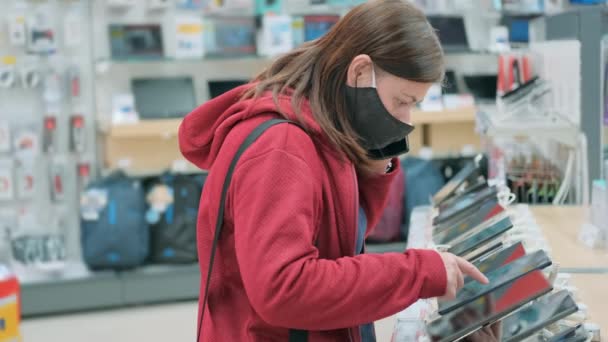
(481, 237)
(488, 308)
(498, 278)
(499, 258)
(465, 205)
(486, 211)
(543, 312)
(448, 189)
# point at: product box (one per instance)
(189, 38)
(10, 312)
(128, 146)
(276, 35)
(230, 36)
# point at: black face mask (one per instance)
(381, 134)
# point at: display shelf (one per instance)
(229, 66)
(464, 114)
(96, 291)
(147, 285)
(145, 128)
(153, 284)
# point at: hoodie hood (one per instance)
(203, 131)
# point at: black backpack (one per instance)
(115, 233)
(173, 236)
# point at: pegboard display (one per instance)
(47, 140)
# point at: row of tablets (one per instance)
(471, 223)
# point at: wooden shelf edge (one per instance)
(465, 114)
(146, 128)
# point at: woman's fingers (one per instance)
(470, 270)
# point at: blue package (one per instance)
(315, 26)
(520, 30)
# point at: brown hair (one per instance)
(396, 36)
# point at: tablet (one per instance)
(499, 277)
(489, 308)
(454, 183)
(484, 251)
(545, 311)
(486, 211)
(465, 205)
(480, 185)
(570, 334)
(499, 258)
(483, 236)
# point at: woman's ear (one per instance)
(359, 73)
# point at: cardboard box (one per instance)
(148, 147)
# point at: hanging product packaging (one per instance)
(58, 179)
(7, 184)
(26, 142)
(26, 178)
(36, 248)
(49, 137)
(41, 37)
(5, 137)
(77, 133)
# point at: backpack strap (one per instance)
(294, 335)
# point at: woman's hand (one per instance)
(489, 333)
(457, 268)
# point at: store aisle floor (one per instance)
(159, 323)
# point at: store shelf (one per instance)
(96, 291)
(460, 115)
(150, 284)
(228, 67)
(154, 284)
(146, 128)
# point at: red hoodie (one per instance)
(289, 191)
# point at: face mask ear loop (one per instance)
(373, 76)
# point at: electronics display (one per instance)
(315, 26)
(571, 334)
(464, 205)
(481, 237)
(489, 308)
(499, 258)
(136, 41)
(452, 32)
(217, 88)
(486, 211)
(163, 98)
(484, 251)
(498, 278)
(450, 187)
(535, 317)
(230, 37)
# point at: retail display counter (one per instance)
(588, 268)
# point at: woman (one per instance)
(290, 252)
